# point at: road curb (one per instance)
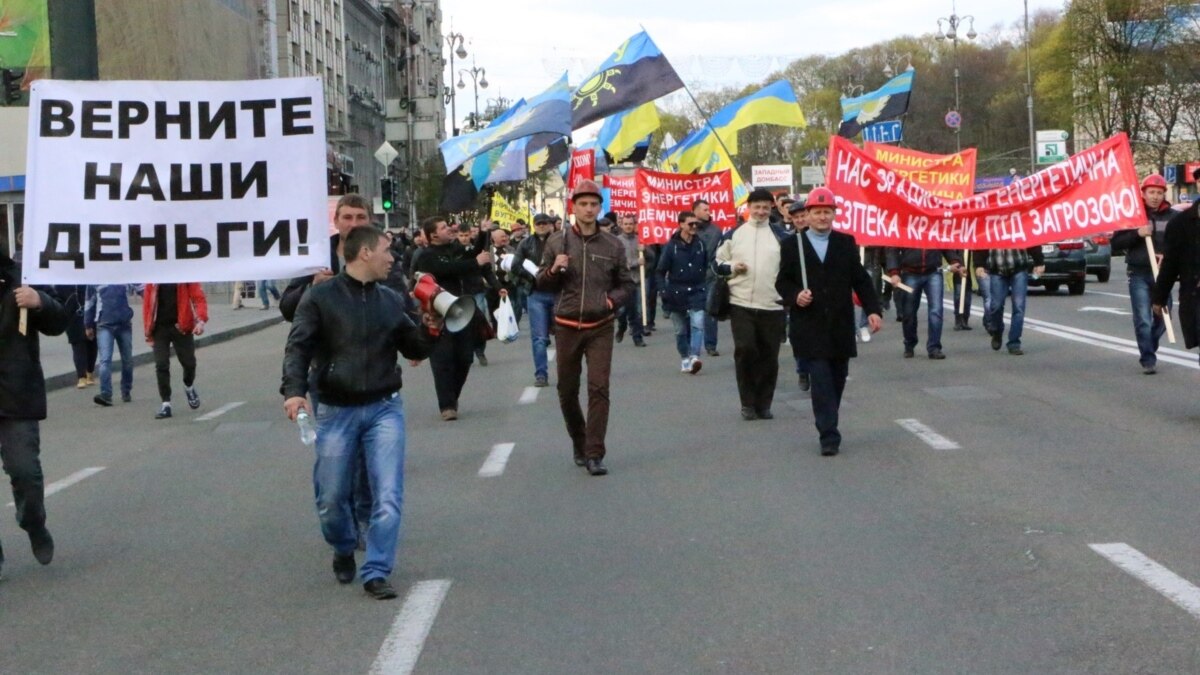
(68, 379)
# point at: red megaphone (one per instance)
(456, 311)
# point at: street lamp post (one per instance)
(461, 53)
(1029, 96)
(478, 81)
(954, 21)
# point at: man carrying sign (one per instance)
(919, 268)
(1148, 329)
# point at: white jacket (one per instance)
(755, 244)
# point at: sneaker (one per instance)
(126, 397)
(596, 467)
(164, 412)
(696, 365)
(101, 399)
(43, 545)
(713, 352)
(344, 568)
(864, 334)
(541, 382)
(380, 589)
(481, 358)
(749, 414)
(193, 398)
(265, 307)
(830, 450)
(82, 383)
(685, 366)
(1016, 351)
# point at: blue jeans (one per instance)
(985, 291)
(377, 429)
(710, 322)
(1148, 328)
(932, 285)
(1018, 285)
(541, 313)
(105, 337)
(689, 332)
(263, 288)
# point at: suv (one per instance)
(1098, 251)
(1066, 263)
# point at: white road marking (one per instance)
(550, 354)
(1106, 310)
(1176, 589)
(528, 396)
(496, 460)
(1123, 296)
(402, 647)
(67, 482)
(931, 438)
(219, 411)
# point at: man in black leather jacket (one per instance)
(23, 398)
(350, 329)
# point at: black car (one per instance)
(1066, 263)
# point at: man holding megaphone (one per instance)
(455, 270)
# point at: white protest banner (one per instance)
(175, 181)
(771, 175)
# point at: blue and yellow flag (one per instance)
(548, 112)
(773, 104)
(885, 103)
(623, 132)
(636, 72)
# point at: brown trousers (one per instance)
(596, 345)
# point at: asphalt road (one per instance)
(715, 545)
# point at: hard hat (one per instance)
(1154, 180)
(821, 196)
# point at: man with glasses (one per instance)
(682, 268)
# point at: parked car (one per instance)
(1098, 251)
(1066, 263)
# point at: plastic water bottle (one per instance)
(308, 429)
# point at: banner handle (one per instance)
(1154, 270)
(642, 287)
(901, 285)
(962, 291)
(23, 322)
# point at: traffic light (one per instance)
(12, 85)
(387, 194)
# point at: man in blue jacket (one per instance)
(683, 266)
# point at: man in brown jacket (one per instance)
(586, 267)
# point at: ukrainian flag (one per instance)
(635, 73)
(622, 133)
(885, 103)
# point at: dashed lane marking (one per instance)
(1174, 587)
(67, 482)
(219, 411)
(406, 639)
(931, 438)
(528, 396)
(496, 460)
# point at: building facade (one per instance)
(365, 64)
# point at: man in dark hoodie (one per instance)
(539, 303)
(1147, 328)
(23, 398)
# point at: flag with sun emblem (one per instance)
(636, 72)
(885, 103)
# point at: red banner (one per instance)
(949, 176)
(1094, 191)
(583, 167)
(662, 197)
(623, 193)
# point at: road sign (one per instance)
(953, 119)
(890, 131)
(386, 153)
(771, 175)
(812, 175)
(1051, 152)
(1171, 173)
(1052, 135)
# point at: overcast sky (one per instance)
(525, 44)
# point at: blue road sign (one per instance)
(1171, 174)
(883, 132)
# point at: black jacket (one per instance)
(22, 383)
(454, 267)
(350, 333)
(682, 269)
(825, 329)
(290, 299)
(918, 260)
(1130, 242)
(1181, 263)
(530, 248)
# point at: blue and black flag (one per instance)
(636, 72)
(885, 103)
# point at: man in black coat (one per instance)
(23, 398)
(1181, 263)
(817, 290)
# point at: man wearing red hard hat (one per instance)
(1135, 243)
(586, 267)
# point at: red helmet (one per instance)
(820, 197)
(1154, 180)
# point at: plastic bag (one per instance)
(506, 322)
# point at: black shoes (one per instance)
(579, 458)
(748, 413)
(43, 545)
(1149, 370)
(596, 467)
(482, 359)
(713, 352)
(639, 342)
(996, 341)
(1015, 351)
(830, 450)
(937, 355)
(805, 383)
(344, 568)
(620, 334)
(102, 400)
(380, 589)
(193, 397)
(541, 382)
(908, 353)
(766, 414)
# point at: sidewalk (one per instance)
(224, 323)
